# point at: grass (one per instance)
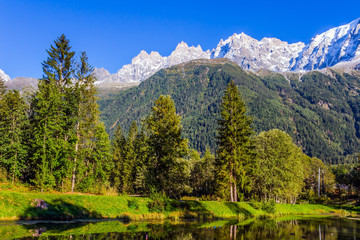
(21, 206)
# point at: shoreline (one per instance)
(21, 206)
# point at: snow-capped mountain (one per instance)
(251, 54)
(337, 45)
(145, 65)
(331, 47)
(4, 76)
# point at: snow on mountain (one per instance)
(145, 65)
(251, 54)
(337, 45)
(331, 47)
(4, 76)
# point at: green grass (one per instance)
(19, 205)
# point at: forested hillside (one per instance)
(320, 112)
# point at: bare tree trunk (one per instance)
(231, 186)
(75, 158)
(235, 229)
(235, 190)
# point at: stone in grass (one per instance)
(40, 203)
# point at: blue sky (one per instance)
(113, 32)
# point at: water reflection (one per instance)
(306, 228)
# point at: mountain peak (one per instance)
(336, 45)
(339, 44)
(4, 76)
(181, 45)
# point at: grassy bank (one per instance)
(19, 205)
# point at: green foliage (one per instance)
(159, 202)
(235, 153)
(320, 112)
(133, 204)
(280, 172)
(255, 204)
(14, 127)
(202, 179)
(168, 172)
(269, 206)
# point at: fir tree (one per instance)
(52, 118)
(13, 134)
(86, 115)
(166, 149)
(234, 156)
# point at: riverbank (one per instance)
(35, 206)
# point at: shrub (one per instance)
(159, 202)
(255, 204)
(133, 204)
(269, 206)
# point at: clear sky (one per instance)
(113, 32)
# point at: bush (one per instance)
(133, 204)
(159, 202)
(255, 204)
(269, 206)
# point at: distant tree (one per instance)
(203, 173)
(167, 170)
(235, 154)
(311, 171)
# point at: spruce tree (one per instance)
(13, 134)
(52, 118)
(86, 115)
(166, 149)
(118, 155)
(235, 153)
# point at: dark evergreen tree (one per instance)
(53, 119)
(166, 167)
(235, 153)
(13, 134)
(118, 154)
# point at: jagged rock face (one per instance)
(145, 65)
(251, 54)
(4, 76)
(338, 45)
(331, 47)
(184, 53)
(22, 84)
(101, 74)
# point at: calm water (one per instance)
(306, 228)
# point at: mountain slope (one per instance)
(331, 47)
(321, 112)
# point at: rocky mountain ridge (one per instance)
(337, 45)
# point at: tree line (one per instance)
(53, 139)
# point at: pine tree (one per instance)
(234, 156)
(118, 155)
(166, 149)
(13, 128)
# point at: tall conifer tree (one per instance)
(235, 153)
(53, 134)
(166, 149)
(13, 128)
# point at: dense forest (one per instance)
(320, 112)
(53, 139)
